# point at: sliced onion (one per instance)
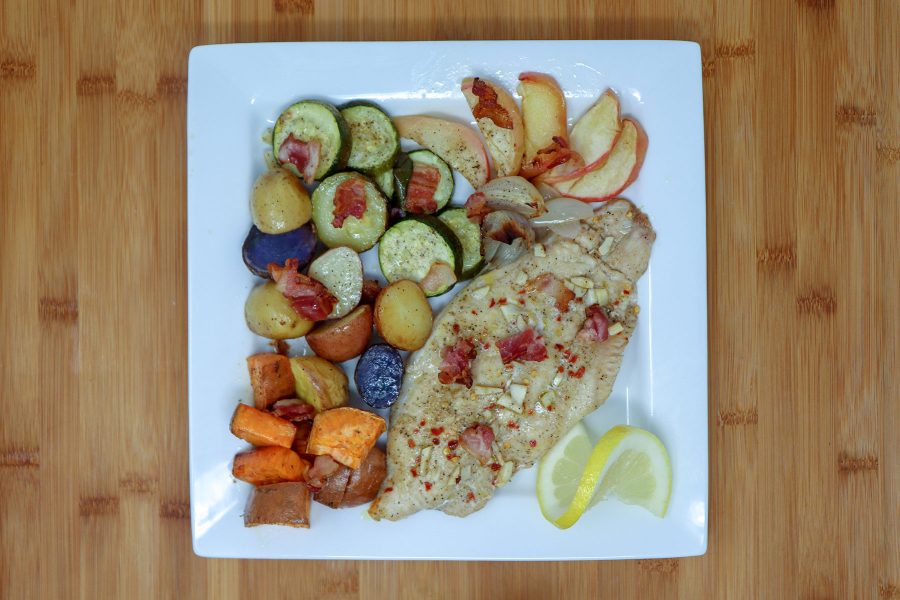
(563, 210)
(497, 254)
(569, 229)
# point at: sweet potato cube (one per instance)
(261, 428)
(271, 378)
(272, 464)
(346, 434)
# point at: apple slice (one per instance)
(593, 136)
(619, 170)
(544, 114)
(454, 142)
(500, 123)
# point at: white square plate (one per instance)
(236, 91)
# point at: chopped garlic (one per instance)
(510, 312)
(557, 380)
(486, 390)
(518, 391)
(539, 251)
(584, 282)
(521, 278)
(507, 402)
(425, 459)
(615, 329)
(590, 297)
(505, 473)
(606, 246)
(481, 292)
(602, 297)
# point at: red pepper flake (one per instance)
(413, 472)
(521, 292)
(437, 430)
(435, 441)
(550, 407)
(427, 486)
(419, 459)
(388, 490)
(452, 456)
(453, 443)
(458, 478)
(573, 359)
(626, 292)
(486, 346)
(456, 328)
(512, 425)
(492, 303)
(422, 423)
(474, 312)
(522, 301)
(530, 411)
(559, 347)
(502, 301)
(416, 430)
(558, 318)
(470, 497)
(616, 303)
(579, 373)
(579, 301)
(532, 443)
(490, 406)
(411, 443)
(560, 369)
(495, 466)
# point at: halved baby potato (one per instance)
(269, 314)
(340, 270)
(279, 202)
(403, 316)
(342, 339)
(319, 383)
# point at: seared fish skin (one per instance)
(428, 465)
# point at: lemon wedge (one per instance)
(628, 463)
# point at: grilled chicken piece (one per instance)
(540, 341)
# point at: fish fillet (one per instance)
(427, 466)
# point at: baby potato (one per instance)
(269, 314)
(403, 316)
(279, 202)
(320, 383)
(342, 339)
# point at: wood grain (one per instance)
(802, 106)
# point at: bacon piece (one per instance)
(303, 155)
(488, 107)
(523, 345)
(309, 298)
(349, 201)
(370, 291)
(323, 467)
(596, 325)
(439, 277)
(293, 410)
(477, 207)
(477, 439)
(423, 184)
(553, 155)
(456, 363)
(550, 284)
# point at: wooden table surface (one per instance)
(802, 104)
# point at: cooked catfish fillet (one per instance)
(513, 362)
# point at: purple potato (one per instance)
(378, 375)
(260, 248)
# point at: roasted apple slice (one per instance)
(544, 114)
(500, 123)
(593, 136)
(454, 142)
(619, 170)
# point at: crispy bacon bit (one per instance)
(349, 201)
(487, 106)
(423, 184)
(477, 439)
(427, 486)
(551, 285)
(439, 277)
(293, 410)
(553, 155)
(410, 443)
(596, 325)
(323, 467)
(309, 298)
(477, 207)
(370, 291)
(523, 345)
(303, 155)
(456, 363)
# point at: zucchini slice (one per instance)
(374, 143)
(423, 183)
(410, 249)
(469, 236)
(385, 181)
(340, 217)
(311, 139)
